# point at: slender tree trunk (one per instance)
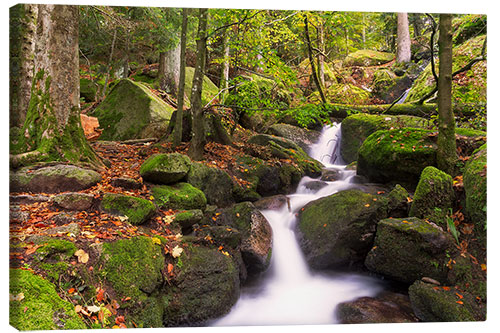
(22, 49)
(196, 149)
(403, 50)
(321, 57)
(311, 60)
(125, 66)
(52, 130)
(177, 137)
(224, 81)
(447, 150)
(110, 62)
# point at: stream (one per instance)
(289, 293)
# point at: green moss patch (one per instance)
(182, 196)
(368, 58)
(215, 183)
(138, 210)
(165, 168)
(37, 305)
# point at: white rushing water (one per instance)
(289, 292)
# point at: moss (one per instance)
(408, 249)
(434, 196)
(209, 89)
(397, 155)
(215, 183)
(165, 168)
(179, 196)
(58, 249)
(432, 303)
(55, 270)
(468, 26)
(128, 109)
(88, 89)
(368, 58)
(138, 210)
(357, 127)
(342, 93)
(475, 186)
(41, 308)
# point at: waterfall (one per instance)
(289, 292)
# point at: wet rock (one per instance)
(274, 202)
(188, 218)
(475, 186)
(215, 183)
(408, 249)
(386, 308)
(126, 183)
(74, 200)
(330, 175)
(315, 185)
(165, 168)
(53, 179)
(398, 201)
(304, 138)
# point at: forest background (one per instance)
(487, 7)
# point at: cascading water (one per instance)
(290, 293)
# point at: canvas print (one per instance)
(175, 167)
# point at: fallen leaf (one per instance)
(18, 297)
(100, 295)
(83, 256)
(177, 251)
(94, 308)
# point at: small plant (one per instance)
(451, 227)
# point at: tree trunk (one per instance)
(177, 137)
(403, 51)
(169, 73)
(22, 49)
(447, 150)
(110, 63)
(196, 149)
(311, 61)
(52, 130)
(321, 57)
(224, 81)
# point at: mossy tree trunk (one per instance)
(22, 22)
(52, 130)
(177, 137)
(198, 140)
(447, 150)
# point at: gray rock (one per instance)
(304, 138)
(126, 183)
(74, 200)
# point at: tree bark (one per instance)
(22, 49)
(177, 137)
(311, 61)
(403, 51)
(170, 62)
(53, 127)
(198, 140)
(447, 150)
(110, 63)
(224, 81)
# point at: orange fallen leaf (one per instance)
(78, 308)
(71, 290)
(446, 288)
(460, 302)
(100, 295)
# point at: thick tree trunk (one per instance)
(169, 73)
(403, 51)
(198, 140)
(177, 137)
(447, 150)
(22, 49)
(52, 130)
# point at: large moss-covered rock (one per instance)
(368, 58)
(387, 86)
(205, 286)
(165, 168)
(397, 155)
(386, 308)
(409, 249)
(256, 234)
(304, 138)
(443, 304)
(53, 179)
(338, 230)
(209, 89)
(398, 202)
(475, 185)
(132, 111)
(133, 269)
(88, 90)
(434, 196)
(182, 196)
(35, 305)
(137, 210)
(357, 127)
(342, 93)
(215, 183)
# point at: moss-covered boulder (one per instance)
(342, 93)
(397, 155)
(132, 111)
(215, 183)
(206, 285)
(443, 304)
(408, 249)
(74, 200)
(187, 218)
(256, 234)
(53, 179)
(386, 308)
(35, 305)
(338, 230)
(475, 186)
(304, 138)
(357, 127)
(137, 210)
(366, 58)
(55, 249)
(434, 196)
(182, 196)
(209, 89)
(387, 86)
(468, 26)
(132, 267)
(88, 90)
(398, 202)
(165, 168)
